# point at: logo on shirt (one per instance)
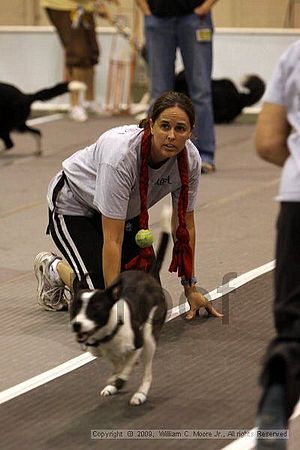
(128, 226)
(163, 180)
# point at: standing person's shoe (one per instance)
(271, 418)
(78, 114)
(94, 109)
(50, 292)
(207, 167)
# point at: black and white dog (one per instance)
(15, 108)
(124, 321)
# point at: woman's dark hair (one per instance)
(170, 99)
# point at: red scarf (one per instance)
(182, 252)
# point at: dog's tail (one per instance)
(58, 89)
(166, 216)
(255, 87)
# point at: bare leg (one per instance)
(77, 111)
(66, 274)
(86, 75)
(74, 95)
(90, 84)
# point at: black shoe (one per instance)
(271, 421)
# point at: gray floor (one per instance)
(197, 377)
(206, 373)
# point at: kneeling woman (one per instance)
(100, 200)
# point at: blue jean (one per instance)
(163, 36)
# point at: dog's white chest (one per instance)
(123, 341)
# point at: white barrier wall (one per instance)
(32, 58)
(239, 51)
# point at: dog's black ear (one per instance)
(76, 303)
(114, 290)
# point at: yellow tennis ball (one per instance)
(144, 238)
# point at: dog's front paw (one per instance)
(137, 399)
(108, 390)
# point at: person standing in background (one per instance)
(278, 141)
(187, 25)
(75, 25)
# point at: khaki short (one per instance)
(80, 44)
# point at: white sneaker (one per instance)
(50, 293)
(94, 109)
(78, 113)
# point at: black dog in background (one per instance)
(15, 107)
(228, 102)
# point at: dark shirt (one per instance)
(167, 8)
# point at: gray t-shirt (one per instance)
(284, 89)
(105, 177)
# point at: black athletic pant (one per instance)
(80, 240)
(282, 362)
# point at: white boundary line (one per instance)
(45, 119)
(45, 377)
(81, 360)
